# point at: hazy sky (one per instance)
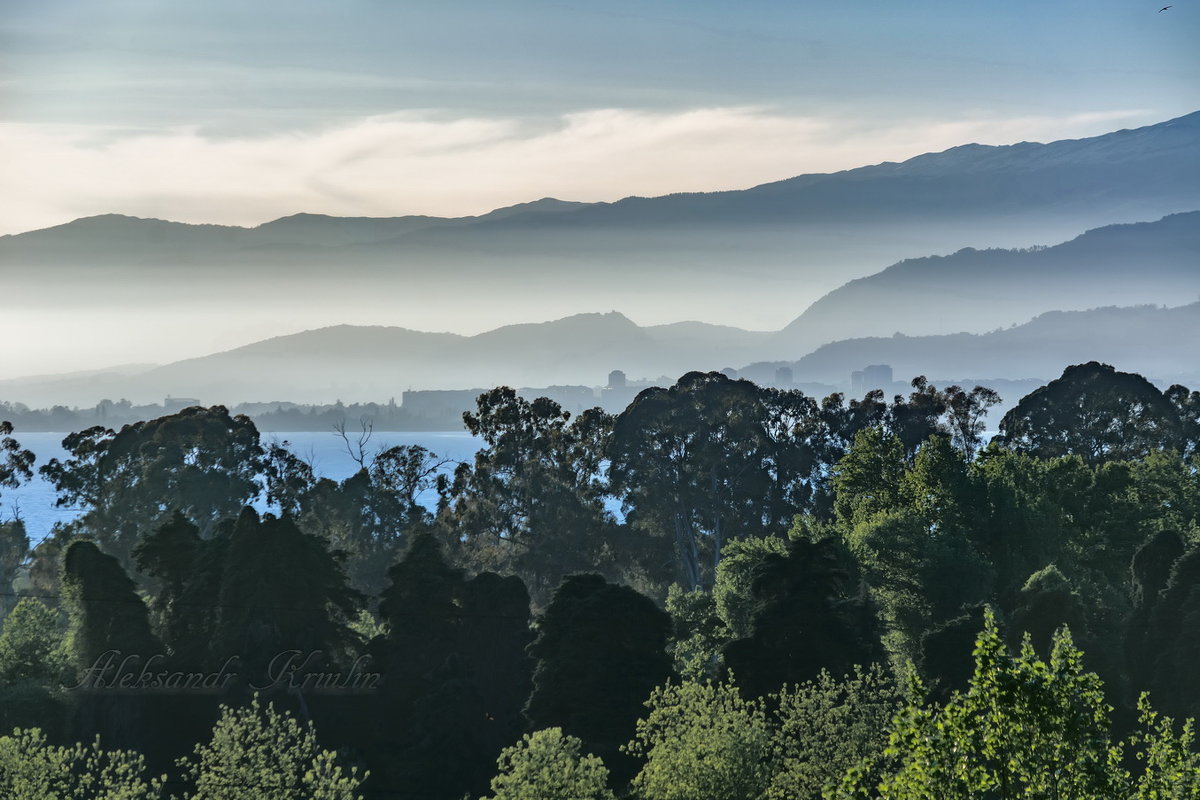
(239, 112)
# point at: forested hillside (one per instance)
(799, 598)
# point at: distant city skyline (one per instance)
(236, 114)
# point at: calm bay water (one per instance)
(34, 501)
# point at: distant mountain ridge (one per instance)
(350, 362)
(1113, 266)
(1158, 342)
(755, 255)
(978, 290)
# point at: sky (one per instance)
(238, 113)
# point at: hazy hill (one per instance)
(978, 290)
(750, 257)
(1157, 342)
(357, 362)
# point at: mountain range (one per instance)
(999, 313)
(753, 258)
(1122, 263)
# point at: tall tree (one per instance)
(1025, 728)
(200, 461)
(301, 603)
(456, 673)
(1096, 412)
(600, 650)
(532, 503)
(805, 622)
(691, 464)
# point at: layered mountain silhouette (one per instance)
(752, 255)
(711, 256)
(978, 290)
(361, 362)
(1158, 342)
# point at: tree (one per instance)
(1047, 602)
(1095, 412)
(1025, 728)
(105, 610)
(703, 740)
(733, 589)
(967, 415)
(532, 503)
(1187, 404)
(31, 645)
(301, 603)
(201, 462)
(14, 548)
(804, 623)
(548, 765)
(368, 515)
(914, 420)
(169, 555)
(698, 632)
(692, 464)
(258, 753)
(456, 672)
(33, 667)
(828, 725)
(33, 769)
(600, 651)
(16, 464)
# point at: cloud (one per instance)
(426, 162)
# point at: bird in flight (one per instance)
(1164, 8)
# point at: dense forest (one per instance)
(725, 592)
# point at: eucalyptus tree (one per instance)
(532, 501)
(201, 461)
(692, 464)
(1095, 412)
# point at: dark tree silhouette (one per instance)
(600, 650)
(1095, 412)
(805, 622)
(200, 461)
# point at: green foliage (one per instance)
(1172, 765)
(14, 547)
(258, 753)
(1024, 728)
(16, 463)
(867, 479)
(805, 622)
(31, 645)
(547, 765)
(456, 673)
(32, 769)
(826, 726)
(702, 740)
(699, 633)
(909, 528)
(301, 603)
(731, 592)
(1047, 602)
